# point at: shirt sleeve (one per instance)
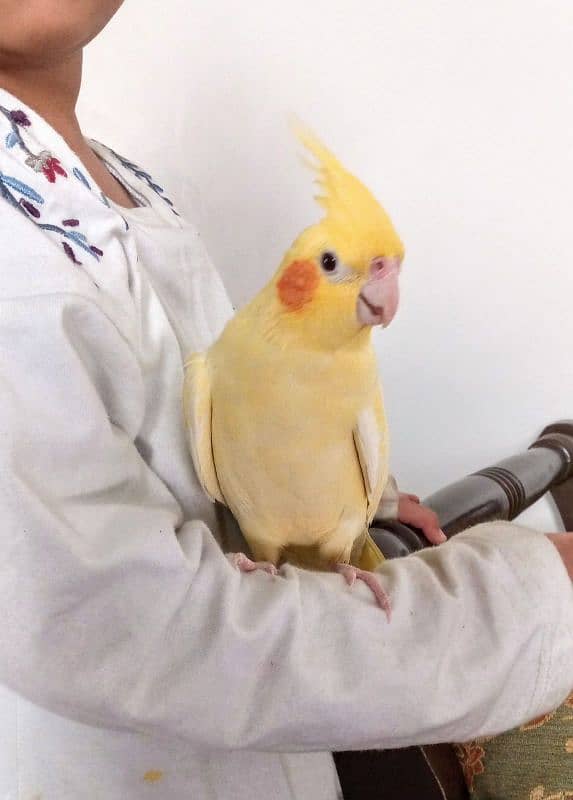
(112, 619)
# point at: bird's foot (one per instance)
(350, 574)
(243, 563)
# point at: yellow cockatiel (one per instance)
(284, 411)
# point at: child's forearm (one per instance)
(110, 618)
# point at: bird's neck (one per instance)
(309, 328)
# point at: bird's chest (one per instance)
(298, 397)
(282, 435)
(291, 420)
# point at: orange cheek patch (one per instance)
(298, 284)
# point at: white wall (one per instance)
(458, 115)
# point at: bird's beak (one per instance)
(378, 300)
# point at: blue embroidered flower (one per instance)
(30, 201)
(8, 183)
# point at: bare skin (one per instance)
(41, 50)
(564, 544)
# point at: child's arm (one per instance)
(108, 620)
(407, 509)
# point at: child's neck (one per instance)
(52, 91)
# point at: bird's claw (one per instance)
(243, 563)
(350, 574)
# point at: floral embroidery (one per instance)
(142, 175)
(44, 161)
(471, 757)
(70, 253)
(48, 164)
(31, 210)
(82, 179)
(28, 201)
(40, 162)
(20, 118)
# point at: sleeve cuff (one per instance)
(542, 570)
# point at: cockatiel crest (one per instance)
(322, 275)
(284, 411)
(353, 214)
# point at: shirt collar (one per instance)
(30, 138)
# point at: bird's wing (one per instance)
(197, 408)
(369, 442)
(367, 439)
(370, 445)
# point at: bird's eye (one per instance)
(328, 262)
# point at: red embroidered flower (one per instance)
(48, 164)
(471, 757)
(51, 167)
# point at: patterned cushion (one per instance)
(533, 762)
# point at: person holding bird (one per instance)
(135, 659)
